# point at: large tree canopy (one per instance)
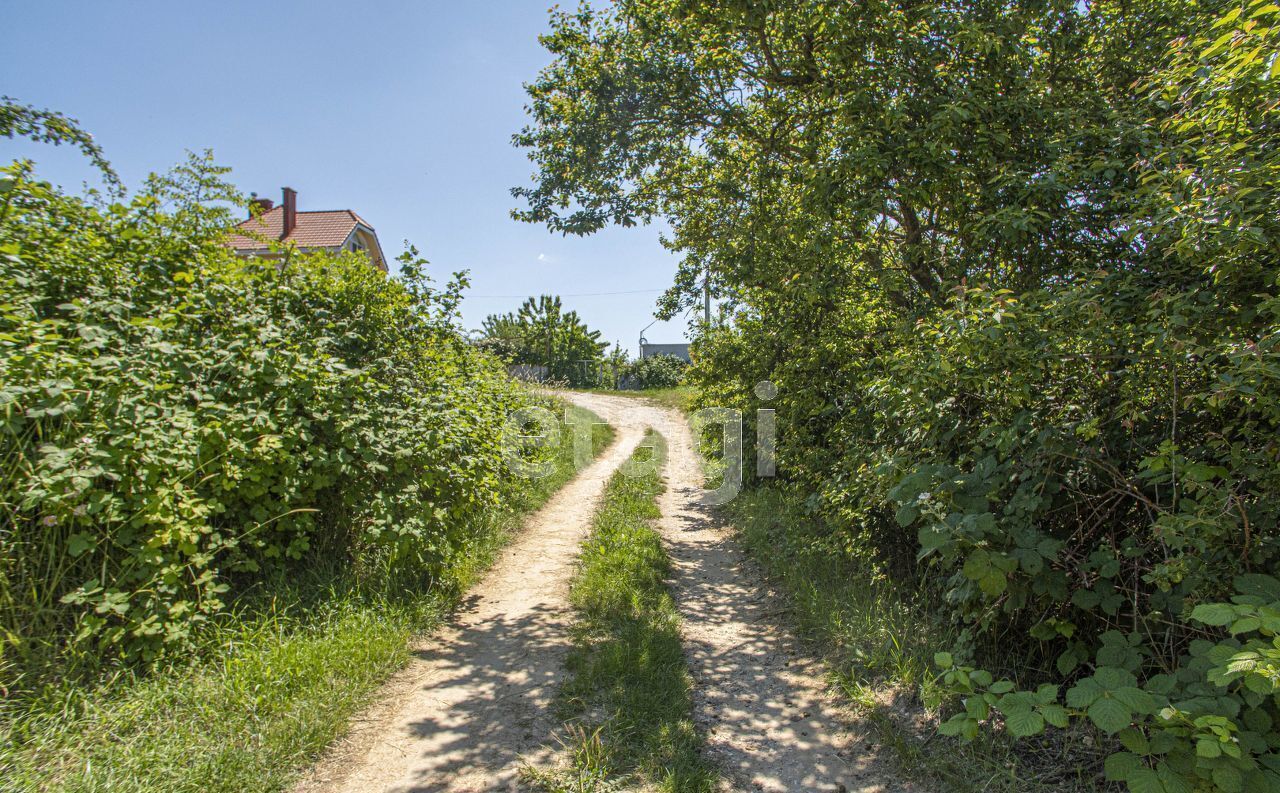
(901, 147)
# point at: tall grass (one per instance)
(627, 698)
(272, 683)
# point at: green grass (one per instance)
(271, 687)
(680, 397)
(627, 697)
(879, 644)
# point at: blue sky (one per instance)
(400, 111)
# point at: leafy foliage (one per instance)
(1012, 268)
(179, 423)
(542, 333)
(265, 689)
(47, 126)
(656, 371)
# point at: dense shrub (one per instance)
(179, 423)
(656, 371)
(1012, 268)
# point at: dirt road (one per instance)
(763, 705)
(476, 700)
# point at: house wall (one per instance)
(680, 351)
(370, 245)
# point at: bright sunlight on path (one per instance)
(478, 696)
(769, 720)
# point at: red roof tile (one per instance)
(326, 229)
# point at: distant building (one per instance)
(680, 351)
(329, 230)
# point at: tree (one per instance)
(48, 126)
(541, 333)
(817, 146)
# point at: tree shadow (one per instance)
(491, 686)
(759, 697)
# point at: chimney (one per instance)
(258, 206)
(290, 212)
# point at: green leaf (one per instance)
(1227, 18)
(1228, 778)
(1173, 781)
(956, 725)
(977, 565)
(1135, 741)
(977, 708)
(1120, 766)
(1257, 720)
(993, 583)
(1159, 684)
(1216, 614)
(930, 540)
(906, 515)
(1218, 45)
(1113, 678)
(1110, 715)
(78, 543)
(1245, 625)
(1055, 715)
(1258, 585)
(1144, 780)
(1135, 699)
(1086, 599)
(1084, 693)
(1067, 662)
(1023, 722)
(943, 660)
(1260, 683)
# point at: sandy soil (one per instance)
(476, 701)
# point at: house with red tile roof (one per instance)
(326, 230)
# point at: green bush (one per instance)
(656, 371)
(267, 687)
(1092, 510)
(179, 423)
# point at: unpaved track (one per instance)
(769, 719)
(477, 696)
(476, 701)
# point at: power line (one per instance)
(511, 297)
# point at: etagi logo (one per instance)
(537, 428)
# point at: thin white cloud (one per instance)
(546, 257)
